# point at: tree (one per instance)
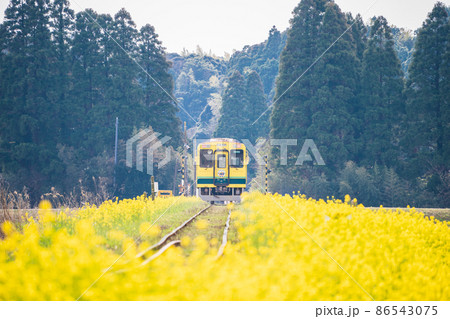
(382, 105)
(62, 25)
(198, 79)
(256, 107)
(91, 54)
(262, 58)
(404, 46)
(30, 115)
(321, 103)
(428, 109)
(291, 115)
(63, 80)
(333, 106)
(124, 94)
(243, 103)
(273, 44)
(359, 34)
(233, 122)
(359, 183)
(157, 93)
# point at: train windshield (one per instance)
(206, 158)
(237, 158)
(221, 161)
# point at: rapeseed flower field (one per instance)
(281, 248)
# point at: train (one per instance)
(221, 170)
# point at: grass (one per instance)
(174, 218)
(209, 225)
(138, 227)
(442, 214)
(169, 220)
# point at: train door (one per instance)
(221, 172)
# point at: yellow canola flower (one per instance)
(185, 241)
(47, 216)
(393, 255)
(8, 228)
(45, 204)
(116, 235)
(201, 243)
(214, 241)
(202, 224)
(150, 230)
(84, 228)
(129, 247)
(347, 198)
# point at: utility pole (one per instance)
(175, 176)
(182, 188)
(267, 171)
(152, 181)
(185, 177)
(115, 149)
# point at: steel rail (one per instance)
(160, 252)
(172, 233)
(149, 259)
(178, 242)
(224, 237)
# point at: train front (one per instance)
(221, 170)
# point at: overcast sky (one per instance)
(224, 25)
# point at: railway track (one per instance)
(174, 237)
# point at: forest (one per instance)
(376, 104)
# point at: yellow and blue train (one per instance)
(221, 170)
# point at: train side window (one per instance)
(206, 158)
(237, 158)
(221, 161)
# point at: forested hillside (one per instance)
(200, 78)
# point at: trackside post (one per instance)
(152, 179)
